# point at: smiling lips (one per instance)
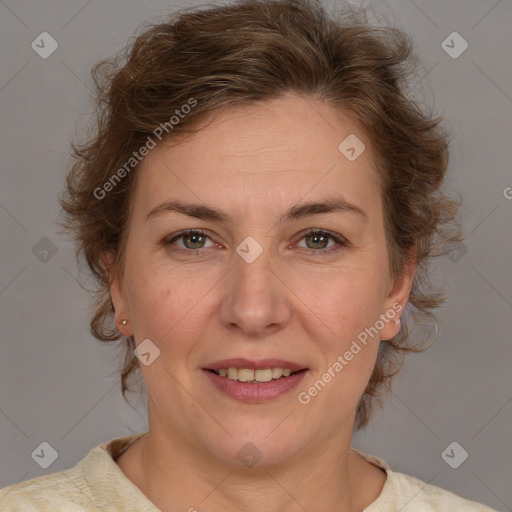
(255, 381)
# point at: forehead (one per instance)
(278, 151)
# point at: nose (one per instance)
(255, 302)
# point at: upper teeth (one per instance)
(248, 375)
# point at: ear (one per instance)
(117, 295)
(398, 297)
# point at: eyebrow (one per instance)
(298, 211)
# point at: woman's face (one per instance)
(254, 284)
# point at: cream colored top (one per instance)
(96, 483)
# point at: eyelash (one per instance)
(340, 242)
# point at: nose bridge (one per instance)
(253, 268)
(255, 300)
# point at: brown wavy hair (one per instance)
(248, 52)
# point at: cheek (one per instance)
(343, 300)
(342, 306)
(166, 301)
(171, 303)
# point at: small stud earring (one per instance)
(397, 322)
(124, 322)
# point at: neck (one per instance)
(175, 482)
(175, 475)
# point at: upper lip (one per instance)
(240, 362)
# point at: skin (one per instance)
(254, 162)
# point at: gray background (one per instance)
(57, 384)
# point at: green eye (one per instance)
(191, 240)
(196, 240)
(316, 242)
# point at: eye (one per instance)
(191, 240)
(317, 241)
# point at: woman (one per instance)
(259, 206)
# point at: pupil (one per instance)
(195, 238)
(319, 239)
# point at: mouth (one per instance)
(255, 381)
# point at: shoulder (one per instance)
(95, 483)
(404, 493)
(412, 494)
(65, 490)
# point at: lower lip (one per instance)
(255, 392)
